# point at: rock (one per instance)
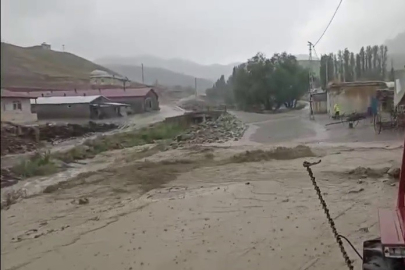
(225, 128)
(83, 201)
(51, 188)
(355, 191)
(394, 172)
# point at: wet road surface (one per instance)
(295, 126)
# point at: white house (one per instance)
(16, 107)
(101, 77)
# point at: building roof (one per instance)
(108, 93)
(104, 74)
(10, 94)
(65, 100)
(335, 85)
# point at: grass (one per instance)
(42, 164)
(38, 165)
(93, 147)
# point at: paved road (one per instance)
(295, 126)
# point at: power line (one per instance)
(334, 14)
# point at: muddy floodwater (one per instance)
(207, 207)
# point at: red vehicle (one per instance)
(388, 252)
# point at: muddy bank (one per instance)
(16, 139)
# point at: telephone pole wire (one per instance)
(334, 14)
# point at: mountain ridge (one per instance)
(160, 76)
(178, 65)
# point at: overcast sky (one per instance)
(205, 31)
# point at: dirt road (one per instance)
(204, 209)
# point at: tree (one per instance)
(368, 58)
(346, 65)
(331, 68)
(262, 82)
(375, 57)
(392, 72)
(358, 69)
(362, 60)
(340, 64)
(383, 62)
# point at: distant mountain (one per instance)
(396, 51)
(161, 76)
(212, 72)
(38, 67)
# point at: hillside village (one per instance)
(142, 155)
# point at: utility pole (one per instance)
(143, 78)
(195, 87)
(311, 82)
(327, 73)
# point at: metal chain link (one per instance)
(308, 165)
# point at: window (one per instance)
(17, 105)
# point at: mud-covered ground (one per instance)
(212, 207)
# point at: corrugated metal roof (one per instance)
(10, 94)
(334, 85)
(108, 93)
(65, 100)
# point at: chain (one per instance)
(308, 165)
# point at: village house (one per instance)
(73, 107)
(399, 94)
(100, 77)
(16, 107)
(319, 103)
(140, 100)
(352, 96)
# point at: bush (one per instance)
(101, 144)
(38, 165)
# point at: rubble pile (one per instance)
(16, 139)
(192, 103)
(53, 133)
(225, 128)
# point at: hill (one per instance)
(38, 67)
(396, 51)
(153, 75)
(211, 72)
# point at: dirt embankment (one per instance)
(17, 139)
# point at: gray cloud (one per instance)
(205, 31)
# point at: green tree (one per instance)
(358, 69)
(346, 65)
(352, 66)
(383, 62)
(375, 57)
(369, 58)
(265, 83)
(362, 60)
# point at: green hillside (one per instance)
(37, 67)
